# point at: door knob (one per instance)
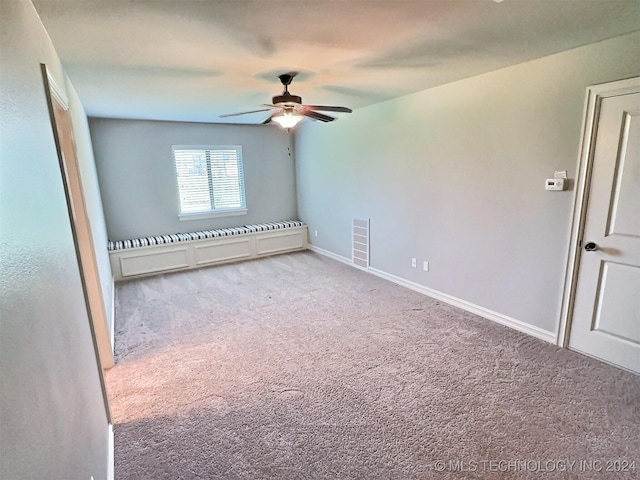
(591, 247)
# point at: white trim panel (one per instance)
(278, 242)
(222, 251)
(153, 261)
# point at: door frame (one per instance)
(595, 94)
(53, 93)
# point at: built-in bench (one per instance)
(180, 251)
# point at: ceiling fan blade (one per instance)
(327, 108)
(268, 120)
(317, 116)
(245, 113)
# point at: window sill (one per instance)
(204, 215)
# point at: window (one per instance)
(210, 181)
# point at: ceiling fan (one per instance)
(288, 109)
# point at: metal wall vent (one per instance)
(360, 236)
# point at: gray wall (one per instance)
(52, 417)
(454, 175)
(137, 175)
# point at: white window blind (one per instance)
(210, 179)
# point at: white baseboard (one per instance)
(523, 327)
(329, 254)
(335, 256)
(110, 459)
(469, 307)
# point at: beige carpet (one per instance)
(299, 367)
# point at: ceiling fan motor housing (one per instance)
(286, 98)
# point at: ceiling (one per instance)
(193, 60)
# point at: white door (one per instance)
(606, 311)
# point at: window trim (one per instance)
(204, 215)
(227, 212)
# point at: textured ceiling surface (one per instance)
(196, 59)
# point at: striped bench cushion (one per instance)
(185, 237)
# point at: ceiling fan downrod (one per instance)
(286, 97)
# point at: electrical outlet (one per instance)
(315, 233)
(414, 262)
(425, 266)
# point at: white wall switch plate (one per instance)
(414, 263)
(425, 266)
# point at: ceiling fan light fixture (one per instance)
(287, 119)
